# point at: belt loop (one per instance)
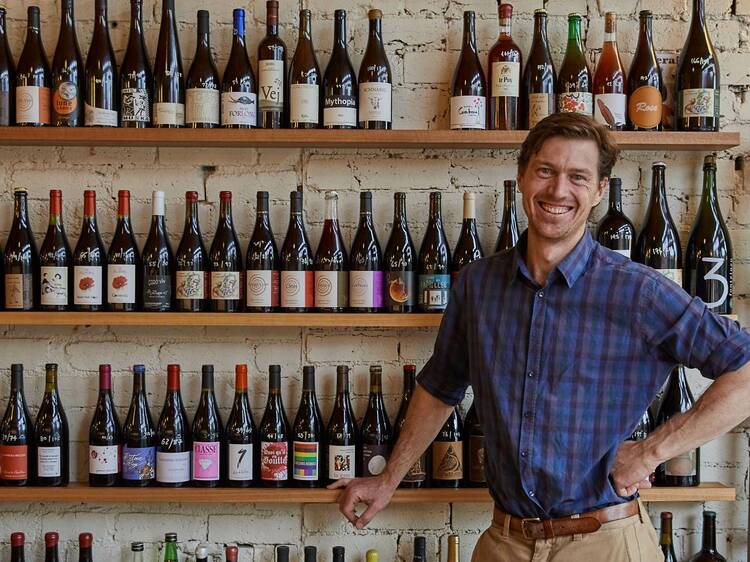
(506, 524)
(577, 536)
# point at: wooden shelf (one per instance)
(318, 138)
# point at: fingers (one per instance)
(347, 501)
(341, 483)
(371, 511)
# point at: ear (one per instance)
(600, 190)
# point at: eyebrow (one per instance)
(573, 170)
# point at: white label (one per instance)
(104, 459)
(340, 116)
(375, 101)
(326, 289)
(100, 117)
(576, 102)
(304, 103)
(169, 114)
(625, 253)
(682, 465)
(239, 108)
(14, 296)
(202, 106)
(121, 283)
(673, 274)
(293, 289)
(173, 467)
(190, 285)
(468, 112)
(240, 461)
(32, 104)
(341, 461)
(225, 285)
(697, 102)
(610, 109)
(540, 106)
(506, 79)
(361, 289)
(49, 462)
(260, 288)
(87, 284)
(54, 286)
(271, 85)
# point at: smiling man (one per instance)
(565, 344)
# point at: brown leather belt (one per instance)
(534, 528)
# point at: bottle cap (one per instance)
(201, 551)
(420, 543)
(374, 14)
(17, 539)
(240, 377)
(105, 377)
(157, 203)
(666, 515)
(646, 13)
(470, 196)
(191, 196)
(20, 191)
(659, 164)
(540, 12)
(615, 182)
(339, 14)
(51, 539)
(343, 369)
(376, 369)
(173, 379)
(331, 195)
(50, 367)
(409, 368)
(139, 369)
(710, 160)
(136, 547)
(85, 540)
(16, 368)
(225, 195)
(231, 553)
(170, 537)
(506, 11)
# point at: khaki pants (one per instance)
(627, 540)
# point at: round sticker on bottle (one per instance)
(645, 107)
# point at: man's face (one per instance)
(560, 186)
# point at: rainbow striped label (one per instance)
(306, 460)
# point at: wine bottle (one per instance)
(297, 268)
(202, 84)
(610, 95)
(51, 439)
(170, 547)
(17, 453)
(339, 554)
(137, 552)
(169, 83)
(21, 260)
(89, 260)
(17, 541)
(505, 63)
(615, 230)
(173, 439)
(136, 78)
(645, 84)
(262, 262)
(331, 263)
(342, 432)
(123, 261)
(400, 292)
(709, 255)
(365, 262)
(339, 81)
(225, 260)
(101, 74)
(51, 540)
(474, 452)
(417, 475)
(272, 73)
(240, 434)
(665, 540)
(55, 259)
(468, 102)
(239, 98)
(67, 73)
(308, 446)
(208, 435)
(468, 247)
(685, 469)
(708, 552)
(658, 243)
(311, 554)
(85, 542)
(305, 80)
(105, 435)
(453, 552)
(574, 83)
(282, 554)
(448, 453)
(274, 435)
(375, 431)
(644, 428)
(434, 262)
(7, 77)
(139, 436)
(33, 77)
(191, 262)
(508, 236)
(539, 76)
(232, 552)
(158, 261)
(375, 79)
(420, 549)
(698, 78)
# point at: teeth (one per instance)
(554, 209)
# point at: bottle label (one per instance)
(190, 285)
(19, 291)
(375, 101)
(401, 286)
(239, 108)
(340, 111)
(540, 106)
(169, 114)
(625, 252)
(134, 106)
(418, 471)
(609, 109)
(715, 286)
(682, 465)
(104, 459)
(331, 289)
(65, 102)
(673, 274)
(263, 288)
(202, 106)
(225, 285)
(576, 102)
(14, 462)
(304, 103)
(468, 112)
(4, 109)
(506, 79)
(644, 107)
(341, 461)
(100, 117)
(434, 290)
(173, 468)
(297, 289)
(306, 460)
(206, 460)
(49, 462)
(87, 281)
(240, 461)
(271, 85)
(32, 104)
(374, 459)
(54, 286)
(366, 289)
(274, 460)
(157, 292)
(447, 460)
(138, 463)
(121, 283)
(697, 102)
(476, 459)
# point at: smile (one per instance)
(554, 209)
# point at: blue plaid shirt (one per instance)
(562, 373)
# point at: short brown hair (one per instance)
(571, 126)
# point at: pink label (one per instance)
(205, 461)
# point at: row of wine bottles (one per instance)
(209, 453)
(708, 551)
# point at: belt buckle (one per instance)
(523, 525)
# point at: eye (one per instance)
(579, 178)
(545, 171)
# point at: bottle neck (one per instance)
(339, 33)
(204, 38)
(139, 384)
(67, 15)
(20, 211)
(136, 19)
(435, 209)
(644, 37)
(295, 216)
(540, 31)
(666, 532)
(238, 29)
(615, 198)
(191, 217)
(261, 214)
(332, 209)
(50, 383)
(505, 26)
(272, 21)
(709, 534)
(470, 210)
(409, 383)
(376, 387)
(2, 24)
(100, 16)
(225, 213)
(399, 211)
(574, 35)
(709, 188)
(658, 190)
(376, 31)
(699, 13)
(365, 212)
(305, 28)
(470, 36)
(33, 25)
(509, 202)
(342, 384)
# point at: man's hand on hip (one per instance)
(375, 492)
(632, 468)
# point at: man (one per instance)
(565, 344)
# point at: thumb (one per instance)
(341, 483)
(371, 511)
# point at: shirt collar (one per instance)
(571, 267)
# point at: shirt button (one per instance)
(524, 453)
(541, 294)
(531, 373)
(528, 415)
(531, 493)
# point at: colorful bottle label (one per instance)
(32, 104)
(263, 288)
(104, 459)
(191, 285)
(418, 471)
(304, 103)
(400, 288)
(100, 117)
(645, 107)
(225, 285)
(610, 109)
(374, 459)
(121, 283)
(239, 108)
(576, 102)
(340, 111)
(134, 107)
(468, 112)
(297, 289)
(366, 289)
(65, 106)
(138, 463)
(202, 106)
(698, 102)
(54, 286)
(271, 85)
(375, 101)
(19, 291)
(506, 79)
(206, 460)
(434, 290)
(157, 292)
(540, 106)
(14, 462)
(684, 465)
(331, 289)
(274, 460)
(87, 288)
(341, 461)
(169, 114)
(476, 459)
(240, 461)
(49, 462)
(447, 460)
(306, 460)
(173, 468)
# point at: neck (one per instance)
(542, 256)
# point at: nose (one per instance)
(559, 187)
